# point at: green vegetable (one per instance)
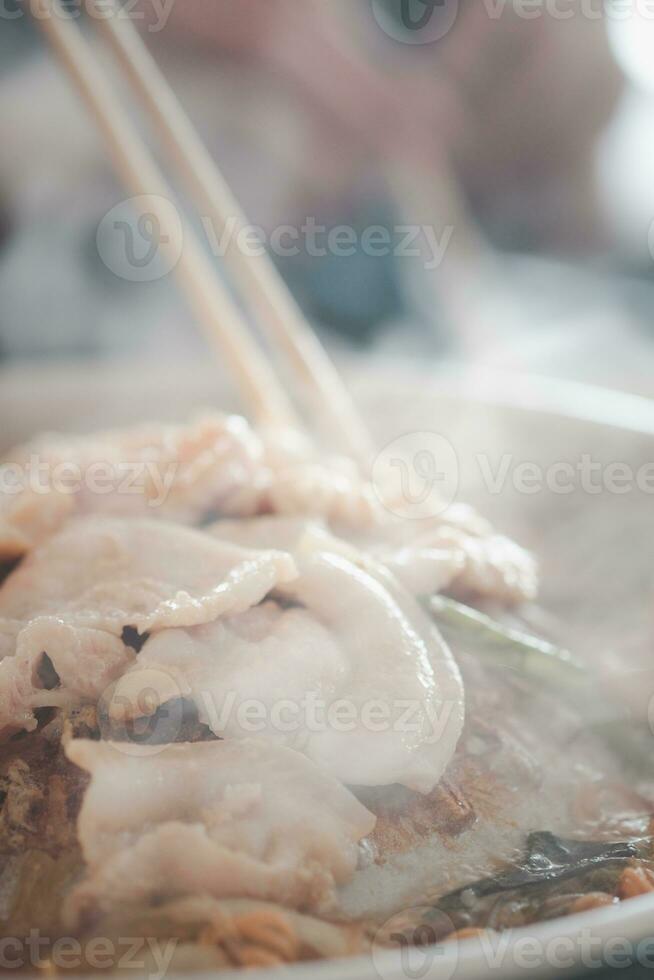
(506, 647)
(540, 661)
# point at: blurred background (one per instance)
(438, 180)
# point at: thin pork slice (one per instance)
(249, 675)
(357, 677)
(227, 819)
(57, 665)
(107, 573)
(458, 553)
(178, 472)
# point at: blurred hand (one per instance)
(511, 104)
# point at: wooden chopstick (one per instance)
(261, 287)
(210, 300)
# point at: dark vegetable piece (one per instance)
(551, 859)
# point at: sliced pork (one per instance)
(28, 518)
(404, 688)
(356, 677)
(447, 558)
(249, 674)
(71, 600)
(180, 472)
(219, 466)
(334, 492)
(226, 819)
(300, 536)
(56, 665)
(459, 552)
(106, 573)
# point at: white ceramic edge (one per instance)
(531, 392)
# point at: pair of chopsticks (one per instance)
(261, 288)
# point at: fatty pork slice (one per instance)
(78, 667)
(404, 688)
(27, 517)
(226, 819)
(299, 536)
(106, 573)
(455, 550)
(468, 566)
(355, 676)
(213, 464)
(459, 553)
(249, 674)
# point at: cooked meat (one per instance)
(300, 536)
(107, 573)
(358, 678)
(240, 671)
(218, 818)
(27, 518)
(218, 465)
(333, 491)
(399, 666)
(451, 559)
(82, 663)
(73, 599)
(182, 472)
(458, 553)
(246, 931)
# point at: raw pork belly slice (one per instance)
(227, 819)
(333, 491)
(248, 674)
(300, 536)
(73, 596)
(179, 472)
(493, 567)
(459, 552)
(106, 573)
(404, 685)
(358, 642)
(219, 465)
(27, 518)
(85, 663)
(467, 565)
